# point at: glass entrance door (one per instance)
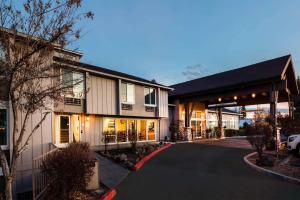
(196, 128)
(64, 130)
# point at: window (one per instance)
(109, 133)
(121, 130)
(73, 82)
(142, 134)
(150, 96)
(127, 93)
(151, 130)
(3, 127)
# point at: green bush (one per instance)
(70, 170)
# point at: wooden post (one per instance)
(273, 108)
(187, 124)
(220, 125)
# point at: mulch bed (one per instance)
(128, 157)
(286, 164)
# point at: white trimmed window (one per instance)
(74, 82)
(127, 93)
(150, 96)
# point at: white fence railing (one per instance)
(40, 181)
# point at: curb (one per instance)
(109, 195)
(146, 158)
(269, 172)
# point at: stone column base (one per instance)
(188, 133)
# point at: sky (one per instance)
(166, 40)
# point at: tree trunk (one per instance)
(8, 188)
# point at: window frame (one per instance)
(133, 93)
(150, 105)
(3, 106)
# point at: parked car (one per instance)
(293, 143)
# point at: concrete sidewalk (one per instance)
(111, 174)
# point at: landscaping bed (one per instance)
(286, 163)
(129, 157)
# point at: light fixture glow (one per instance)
(87, 118)
(253, 95)
(219, 99)
(235, 97)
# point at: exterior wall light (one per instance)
(219, 99)
(87, 118)
(235, 97)
(253, 95)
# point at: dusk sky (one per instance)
(161, 39)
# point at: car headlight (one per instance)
(291, 139)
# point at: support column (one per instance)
(220, 125)
(273, 109)
(187, 128)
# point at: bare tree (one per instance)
(28, 37)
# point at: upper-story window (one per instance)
(73, 82)
(127, 93)
(150, 96)
(3, 127)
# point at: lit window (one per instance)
(121, 125)
(73, 82)
(151, 130)
(150, 96)
(109, 134)
(142, 130)
(3, 127)
(127, 93)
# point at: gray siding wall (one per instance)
(38, 145)
(163, 103)
(164, 129)
(101, 97)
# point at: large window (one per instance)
(151, 129)
(73, 82)
(121, 130)
(109, 133)
(150, 96)
(127, 93)
(3, 127)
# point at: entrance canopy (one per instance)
(268, 81)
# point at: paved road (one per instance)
(203, 171)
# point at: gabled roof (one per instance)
(109, 72)
(255, 73)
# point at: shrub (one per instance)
(177, 130)
(70, 170)
(258, 135)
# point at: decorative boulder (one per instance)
(123, 157)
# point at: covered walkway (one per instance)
(267, 82)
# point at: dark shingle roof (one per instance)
(106, 71)
(256, 72)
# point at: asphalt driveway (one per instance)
(203, 171)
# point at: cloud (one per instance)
(195, 71)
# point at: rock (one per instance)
(137, 160)
(123, 157)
